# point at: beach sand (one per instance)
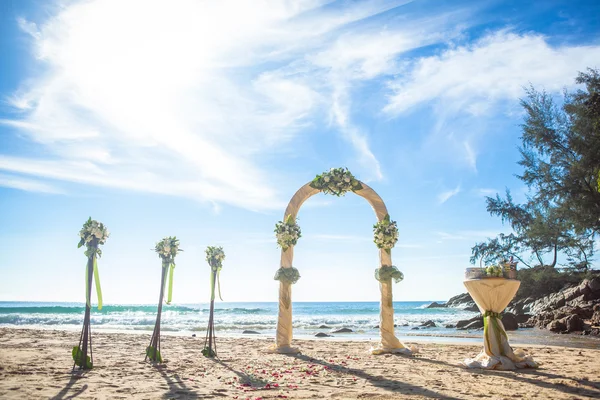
(37, 364)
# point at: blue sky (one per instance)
(201, 120)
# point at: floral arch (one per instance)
(337, 181)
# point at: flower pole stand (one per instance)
(167, 249)
(215, 257)
(91, 235)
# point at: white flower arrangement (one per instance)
(287, 233)
(215, 256)
(167, 249)
(337, 181)
(93, 234)
(385, 233)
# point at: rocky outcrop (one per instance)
(246, 332)
(463, 301)
(323, 334)
(575, 308)
(435, 304)
(428, 324)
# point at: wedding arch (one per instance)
(337, 181)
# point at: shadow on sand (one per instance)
(177, 388)
(531, 376)
(62, 395)
(398, 387)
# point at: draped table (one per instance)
(492, 295)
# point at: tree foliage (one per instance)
(560, 156)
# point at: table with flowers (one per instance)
(492, 295)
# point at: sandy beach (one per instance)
(37, 364)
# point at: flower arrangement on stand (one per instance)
(167, 250)
(214, 256)
(92, 235)
(336, 181)
(385, 234)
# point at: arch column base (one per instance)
(379, 349)
(395, 349)
(283, 350)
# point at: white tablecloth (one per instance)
(492, 295)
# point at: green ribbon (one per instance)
(170, 294)
(494, 318)
(212, 283)
(97, 282)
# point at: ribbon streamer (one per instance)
(170, 294)
(97, 282)
(493, 318)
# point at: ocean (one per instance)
(231, 319)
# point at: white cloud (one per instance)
(471, 78)
(187, 99)
(446, 195)
(485, 192)
(28, 185)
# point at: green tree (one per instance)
(560, 155)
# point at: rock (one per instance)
(556, 326)
(594, 284)
(323, 334)
(596, 307)
(325, 327)
(428, 324)
(415, 328)
(462, 323)
(523, 318)
(449, 326)
(510, 322)
(405, 324)
(474, 325)
(376, 327)
(472, 308)
(595, 320)
(458, 300)
(193, 335)
(463, 301)
(574, 323)
(250, 333)
(343, 330)
(435, 304)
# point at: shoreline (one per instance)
(37, 364)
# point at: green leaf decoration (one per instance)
(388, 272)
(208, 352)
(76, 353)
(287, 275)
(153, 354)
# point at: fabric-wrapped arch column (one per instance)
(389, 342)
